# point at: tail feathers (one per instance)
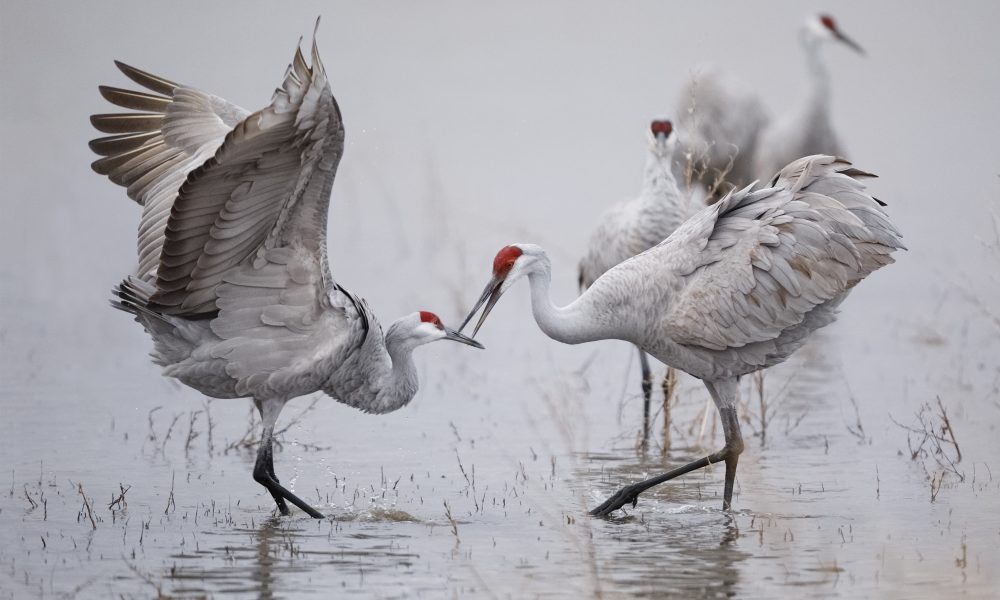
(132, 296)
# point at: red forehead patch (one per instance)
(664, 127)
(505, 260)
(827, 22)
(429, 317)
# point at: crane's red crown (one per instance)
(828, 22)
(664, 127)
(505, 260)
(429, 317)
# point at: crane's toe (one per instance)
(627, 495)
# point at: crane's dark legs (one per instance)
(724, 394)
(263, 470)
(647, 394)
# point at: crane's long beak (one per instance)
(849, 43)
(451, 334)
(490, 296)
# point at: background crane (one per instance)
(634, 226)
(728, 137)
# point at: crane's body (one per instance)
(634, 226)
(232, 282)
(737, 288)
(730, 140)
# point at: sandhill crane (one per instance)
(809, 129)
(634, 226)
(729, 139)
(233, 283)
(737, 288)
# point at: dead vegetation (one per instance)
(697, 161)
(932, 443)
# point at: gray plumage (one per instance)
(634, 226)
(233, 284)
(737, 288)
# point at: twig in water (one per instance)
(669, 390)
(211, 426)
(31, 501)
(858, 430)
(170, 429)
(149, 417)
(946, 428)
(461, 468)
(120, 500)
(86, 503)
(454, 524)
(192, 434)
(170, 499)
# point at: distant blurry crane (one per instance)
(233, 283)
(737, 288)
(808, 130)
(728, 139)
(639, 224)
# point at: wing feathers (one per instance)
(126, 123)
(154, 149)
(251, 189)
(773, 255)
(134, 100)
(120, 144)
(147, 80)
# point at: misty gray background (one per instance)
(525, 120)
(470, 126)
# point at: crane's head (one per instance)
(822, 28)
(511, 263)
(425, 327)
(663, 140)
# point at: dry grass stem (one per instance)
(119, 501)
(86, 504)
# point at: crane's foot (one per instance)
(627, 495)
(280, 493)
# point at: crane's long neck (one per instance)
(658, 176)
(570, 324)
(819, 77)
(400, 384)
(380, 377)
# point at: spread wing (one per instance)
(757, 262)
(152, 151)
(267, 186)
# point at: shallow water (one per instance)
(819, 511)
(480, 487)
